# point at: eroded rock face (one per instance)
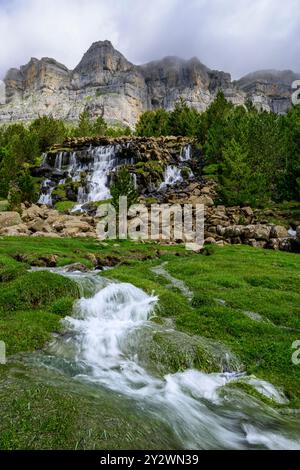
(270, 89)
(106, 84)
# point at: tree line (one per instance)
(254, 156)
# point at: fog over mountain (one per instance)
(232, 35)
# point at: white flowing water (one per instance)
(58, 161)
(172, 176)
(104, 160)
(46, 193)
(186, 153)
(196, 407)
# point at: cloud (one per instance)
(237, 35)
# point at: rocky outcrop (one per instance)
(9, 219)
(106, 84)
(270, 90)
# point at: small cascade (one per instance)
(172, 176)
(104, 160)
(44, 159)
(58, 161)
(46, 193)
(186, 153)
(134, 180)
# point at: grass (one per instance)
(64, 207)
(31, 305)
(40, 251)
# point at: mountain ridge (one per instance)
(105, 83)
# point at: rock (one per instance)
(206, 190)
(247, 211)
(39, 225)
(9, 219)
(234, 231)
(256, 243)
(44, 234)
(77, 225)
(15, 230)
(91, 257)
(210, 241)
(273, 244)
(33, 212)
(76, 267)
(206, 200)
(278, 231)
(258, 232)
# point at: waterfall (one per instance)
(46, 193)
(186, 153)
(172, 176)
(97, 163)
(104, 160)
(58, 161)
(106, 348)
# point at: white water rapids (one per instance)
(195, 406)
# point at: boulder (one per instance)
(15, 230)
(77, 267)
(206, 190)
(210, 241)
(257, 232)
(247, 211)
(44, 234)
(39, 225)
(33, 212)
(256, 243)
(278, 231)
(206, 200)
(9, 219)
(74, 225)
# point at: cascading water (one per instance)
(46, 193)
(97, 164)
(172, 176)
(186, 153)
(104, 160)
(58, 161)
(197, 408)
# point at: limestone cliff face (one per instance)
(106, 84)
(269, 89)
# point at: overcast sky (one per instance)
(237, 36)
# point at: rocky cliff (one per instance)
(106, 84)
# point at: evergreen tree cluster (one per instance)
(255, 156)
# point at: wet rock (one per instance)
(76, 267)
